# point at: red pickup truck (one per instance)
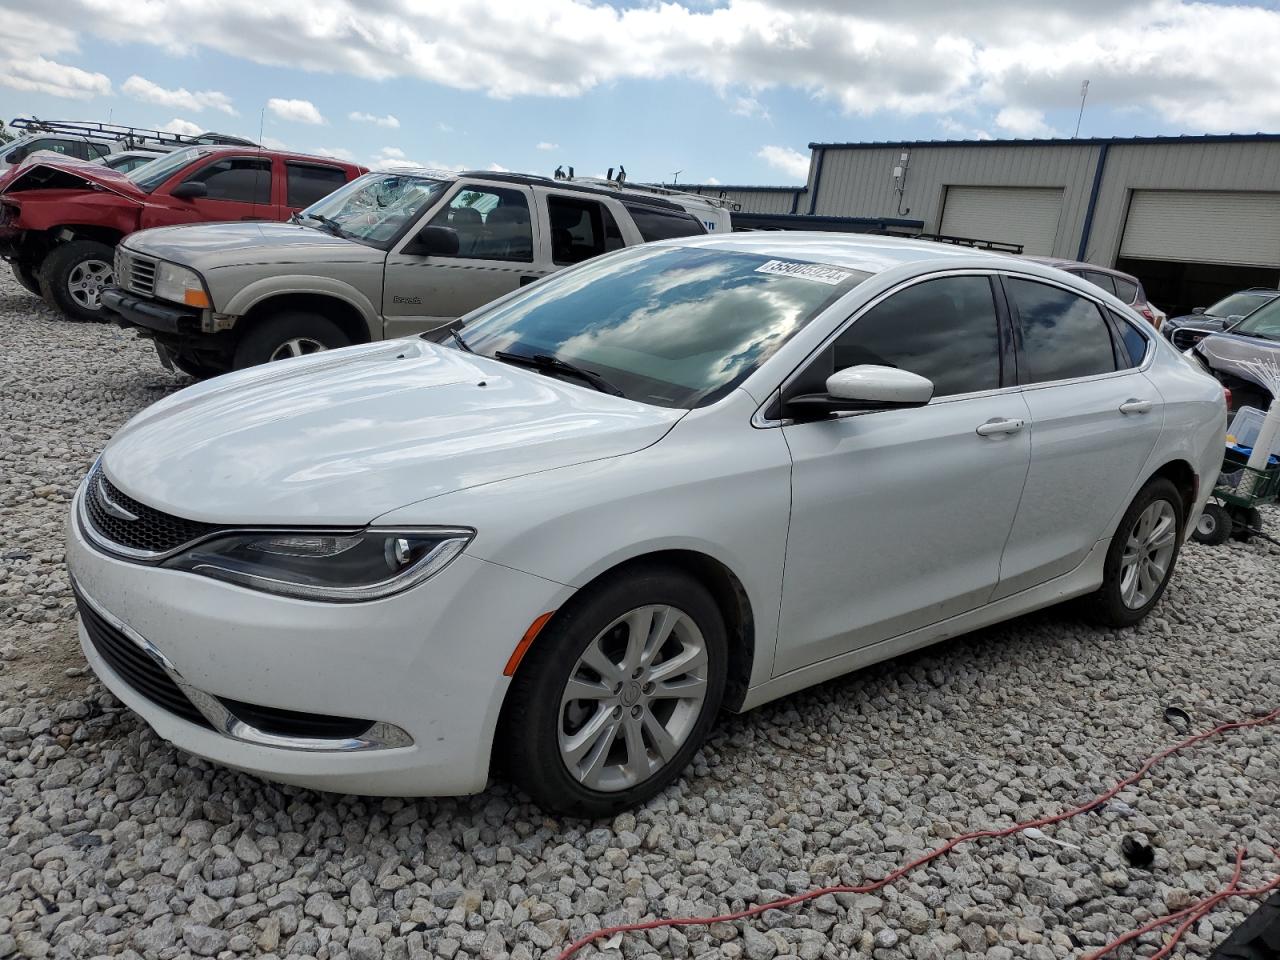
(60, 218)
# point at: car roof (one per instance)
(220, 150)
(1062, 263)
(534, 180)
(868, 252)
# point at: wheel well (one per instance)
(730, 598)
(346, 316)
(84, 232)
(1182, 476)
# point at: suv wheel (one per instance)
(1141, 557)
(616, 694)
(293, 333)
(73, 275)
(23, 273)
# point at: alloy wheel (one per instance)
(633, 698)
(297, 347)
(86, 280)
(1147, 554)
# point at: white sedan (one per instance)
(693, 475)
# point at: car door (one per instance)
(238, 188)
(1095, 418)
(496, 232)
(899, 517)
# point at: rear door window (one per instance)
(308, 183)
(662, 223)
(1064, 336)
(580, 229)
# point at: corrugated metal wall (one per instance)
(859, 182)
(753, 201)
(1245, 165)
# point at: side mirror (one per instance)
(864, 387)
(1232, 320)
(1197, 311)
(189, 190)
(433, 241)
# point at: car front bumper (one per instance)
(425, 665)
(160, 317)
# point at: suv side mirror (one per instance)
(433, 241)
(189, 190)
(1198, 311)
(863, 387)
(1232, 320)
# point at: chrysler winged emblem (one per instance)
(109, 505)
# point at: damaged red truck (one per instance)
(61, 218)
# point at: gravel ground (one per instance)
(114, 843)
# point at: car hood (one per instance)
(207, 245)
(343, 437)
(1224, 353)
(45, 170)
(1197, 321)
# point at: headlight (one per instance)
(180, 285)
(340, 567)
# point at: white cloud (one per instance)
(498, 168)
(1024, 122)
(338, 153)
(299, 111)
(789, 161)
(933, 57)
(545, 145)
(38, 75)
(750, 107)
(443, 127)
(271, 143)
(184, 127)
(140, 88)
(387, 121)
(712, 182)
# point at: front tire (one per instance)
(291, 333)
(1142, 555)
(73, 275)
(616, 694)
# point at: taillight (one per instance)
(1226, 395)
(1150, 315)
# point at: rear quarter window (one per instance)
(660, 223)
(1126, 290)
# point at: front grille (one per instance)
(134, 666)
(1184, 339)
(135, 273)
(153, 532)
(291, 723)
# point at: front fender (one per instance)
(251, 295)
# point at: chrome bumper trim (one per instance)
(380, 736)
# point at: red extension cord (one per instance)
(1189, 915)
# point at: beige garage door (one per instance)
(1025, 215)
(1201, 227)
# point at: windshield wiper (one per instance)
(331, 226)
(457, 338)
(545, 362)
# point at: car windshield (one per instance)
(151, 175)
(374, 208)
(667, 325)
(1238, 305)
(1263, 323)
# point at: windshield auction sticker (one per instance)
(806, 271)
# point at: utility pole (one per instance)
(1084, 92)
(675, 177)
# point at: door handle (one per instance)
(999, 425)
(1136, 406)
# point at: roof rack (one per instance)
(997, 246)
(129, 136)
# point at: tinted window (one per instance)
(70, 148)
(672, 326)
(1135, 344)
(943, 329)
(1126, 290)
(1239, 304)
(97, 150)
(578, 229)
(492, 223)
(1099, 279)
(1063, 335)
(307, 184)
(660, 223)
(243, 179)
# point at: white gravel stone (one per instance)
(112, 842)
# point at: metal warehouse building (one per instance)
(1194, 217)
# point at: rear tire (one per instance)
(27, 278)
(73, 275)
(291, 333)
(1141, 557)
(643, 724)
(1213, 527)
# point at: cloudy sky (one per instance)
(720, 90)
